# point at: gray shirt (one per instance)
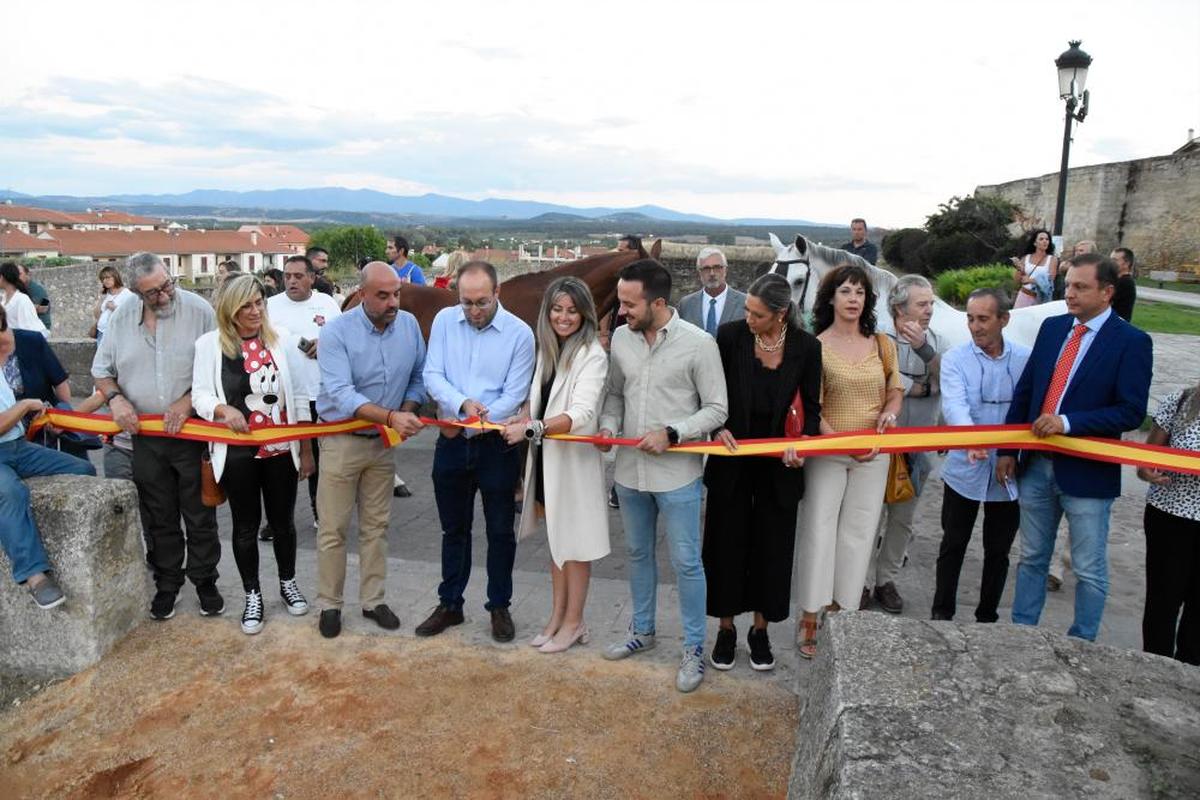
(153, 369)
(678, 382)
(919, 412)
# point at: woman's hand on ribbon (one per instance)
(868, 456)
(791, 460)
(726, 438)
(514, 430)
(231, 418)
(885, 420)
(1154, 476)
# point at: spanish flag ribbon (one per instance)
(896, 440)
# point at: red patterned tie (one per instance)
(1058, 383)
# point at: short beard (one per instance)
(163, 312)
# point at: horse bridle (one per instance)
(807, 275)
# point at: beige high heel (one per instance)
(582, 636)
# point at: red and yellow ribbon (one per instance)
(897, 440)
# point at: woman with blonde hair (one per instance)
(567, 479)
(453, 262)
(242, 377)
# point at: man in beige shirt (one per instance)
(665, 386)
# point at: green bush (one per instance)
(955, 285)
(902, 249)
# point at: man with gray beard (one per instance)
(144, 366)
(717, 302)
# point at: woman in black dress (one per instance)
(750, 524)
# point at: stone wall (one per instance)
(76, 357)
(1151, 205)
(900, 708)
(74, 290)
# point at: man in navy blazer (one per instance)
(1089, 375)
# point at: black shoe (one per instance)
(503, 629)
(266, 534)
(760, 650)
(163, 605)
(442, 617)
(940, 616)
(383, 616)
(330, 623)
(613, 500)
(724, 651)
(888, 598)
(401, 491)
(211, 602)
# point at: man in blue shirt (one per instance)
(397, 256)
(977, 382)
(371, 359)
(480, 364)
(858, 243)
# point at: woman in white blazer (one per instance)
(566, 479)
(242, 377)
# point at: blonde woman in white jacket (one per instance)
(566, 480)
(242, 377)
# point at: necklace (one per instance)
(766, 348)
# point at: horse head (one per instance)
(794, 263)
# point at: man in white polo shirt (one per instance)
(304, 312)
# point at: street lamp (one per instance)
(1072, 77)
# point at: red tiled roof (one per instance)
(105, 215)
(15, 213)
(125, 243)
(282, 233)
(15, 240)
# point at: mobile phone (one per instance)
(304, 344)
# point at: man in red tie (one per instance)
(1088, 375)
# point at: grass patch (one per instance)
(1166, 317)
(1174, 286)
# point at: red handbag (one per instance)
(793, 422)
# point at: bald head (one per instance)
(380, 293)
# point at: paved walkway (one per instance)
(1168, 296)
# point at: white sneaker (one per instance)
(634, 644)
(252, 614)
(691, 669)
(293, 600)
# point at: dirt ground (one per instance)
(294, 716)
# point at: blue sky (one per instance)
(815, 110)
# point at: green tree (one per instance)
(348, 244)
(963, 231)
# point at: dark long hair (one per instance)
(1031, 242)
(776, 294)
(11, 273)
(823, 309)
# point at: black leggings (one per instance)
(1172, 586)
(245, 480)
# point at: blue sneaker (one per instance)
(634, 644)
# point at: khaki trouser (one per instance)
(895, 534)
(353, 469)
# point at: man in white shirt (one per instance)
(304, 312)
(717, 302)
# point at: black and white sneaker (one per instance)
(761, 658)
(724, 652)
(211, 602)
(293, 600)
(252, 614)
(163, 605)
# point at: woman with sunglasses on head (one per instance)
(243, 378)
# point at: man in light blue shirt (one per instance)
(371, 359)
(977, 382)
(480, 364)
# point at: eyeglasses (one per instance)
(1012, 383)
(167, 287)
(714, 268)
(482, 305)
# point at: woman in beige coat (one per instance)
(566, 478)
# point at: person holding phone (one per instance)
(112, 294)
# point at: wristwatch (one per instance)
(672, 435)
(108, 398)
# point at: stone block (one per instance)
(901, 708)
(76, 357)
(92, 533)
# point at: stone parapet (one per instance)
(76, 357)
(92, 533)
(901, 708)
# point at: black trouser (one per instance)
(1000, 522)
(1172, 582)
(244, 480)
(749, 537)
(316, 451)
(167, 474)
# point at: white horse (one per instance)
(805, 263)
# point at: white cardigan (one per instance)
(22, 316)
(576, 501)
(208, 391)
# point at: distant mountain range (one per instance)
(426, 206)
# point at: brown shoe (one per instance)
(503, 629)
(865, 602)
(442, 617)
(888, 598)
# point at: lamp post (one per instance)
(1072, 77)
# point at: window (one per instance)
(251, 263)
(204, 263)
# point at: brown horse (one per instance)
(522, 294)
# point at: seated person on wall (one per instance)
(20, 459)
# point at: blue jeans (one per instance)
(462, 466)
(18, 532)
(680, 509)
(1042, 506)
